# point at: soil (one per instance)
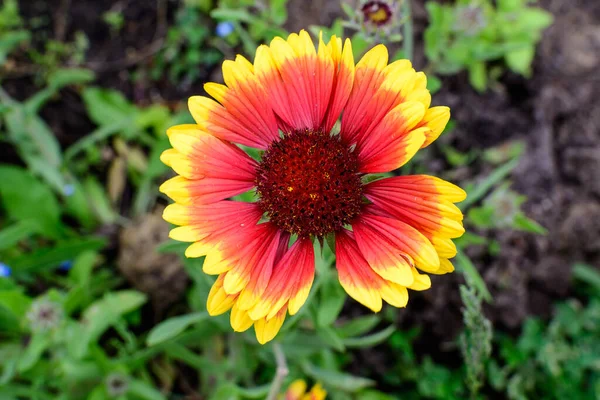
(556, 112)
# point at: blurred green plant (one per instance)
(476, 340)
(187, 49)
(12, 33)
(57, 54)
(254, 22)
(387, 21)
(468, 34)
(557, 360)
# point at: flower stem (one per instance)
(280, 373)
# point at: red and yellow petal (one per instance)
(239, 319)
(393, 247)
(298, 79)
(399, 80)
(216, 226)
(197, 154)
(219, 301)
(203, 191)
(368, 77)
(436, 119)
(242, 112)
(360, 281)
(343, 81)
(419, 201)
(394, 141)
(254, 267)
(295, 390)
(267, 328)
(426, 204)
(290, 283)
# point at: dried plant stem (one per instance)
(280, 373)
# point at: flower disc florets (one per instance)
(377, 12)
(308, 183)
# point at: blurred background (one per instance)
(97, 303)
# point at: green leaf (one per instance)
(110, 127)
(36, 143)
(510, 5)
(587, 274)
(100, 316)
(465, 265)
(239, 15)
(331, 338)
(99, 200)
(434, 84)
(38, 343)
(75, 371)
(13, 234)
(478, 76)
(524, 223)
(374, 395)
(278, 11)
(259, 392)
(51, 257)
(481, 189)
(106, 106)
(172, 327)
(25, 198)
(337, 380)
(482, 217)
(227, 391)
(144, 391)
(358, 326)
(81, 272)
(330, 305)
(370, 340)
(13, 306)
(348, 10)
(520, 60)
(77, 206)
(147, 190)
(9, 356)
(70, 76)
(10, 40)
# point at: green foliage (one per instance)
(254, 22)
(187, 49)
(397, 30)
(12, 34)
(468, 34)
(476, 341)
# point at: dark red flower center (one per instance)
(308, 183)
(377, 12)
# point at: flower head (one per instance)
(377, 12)
(309, 180)
(117, 384)
(297, 391)
(470, 19)
(69, 190)
(5, 270)
(44, 315)
(224, 29)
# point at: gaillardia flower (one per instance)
(297, 391)
(378, 12)
(311, 181)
